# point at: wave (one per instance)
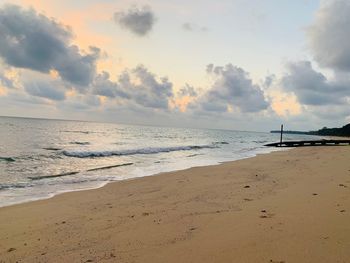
(34, 178)
(193, 155)
(83, 132)
(223, 142)
(149, 150)
(261, 141)
(109, 167)
(13, 186)
(80, 143)
(7, 159)
(52, 149)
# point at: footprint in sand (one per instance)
(266, 215)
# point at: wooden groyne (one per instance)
(308, 143)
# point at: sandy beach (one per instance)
(290, 206)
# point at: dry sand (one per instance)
(291, 206)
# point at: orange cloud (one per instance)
(86, 22)
(77, 19)
(11, 74)
(71, 93)
(3, 91)
(113, 67)
(285, 104)
(54, 74)
(102, 99)
(181, 103)
(14, 76)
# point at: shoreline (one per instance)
(103, 184)
(284, 206)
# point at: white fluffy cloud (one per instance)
(312, 87)
(138, 86)
(147, 90)
(187, 90)
(103, 86)
(232, 88)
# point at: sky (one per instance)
(226, 64)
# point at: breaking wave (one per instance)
(148, 150)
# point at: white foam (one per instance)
(147, 150)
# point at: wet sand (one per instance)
(291, 206)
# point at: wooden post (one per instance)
(281, 135)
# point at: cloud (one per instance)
(187, 27)
(322, 97)
(184, 97)
(332, 112)
(329, 35)
(33, 41)
(193, 27)
(80, 102)
(312, 87)
(103, 86)
(136, 87)
(6, 82)
(139, 21)
(232, 87)
(9, 77)
(45, 89)
(187, 90)
(146, 90)
(21, 96)
(41, 85)
(269, 81)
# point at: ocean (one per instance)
(40, 158)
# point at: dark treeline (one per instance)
(343, 131)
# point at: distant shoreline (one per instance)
(339, 132)
(292, 132)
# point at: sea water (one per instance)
(40, 158)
